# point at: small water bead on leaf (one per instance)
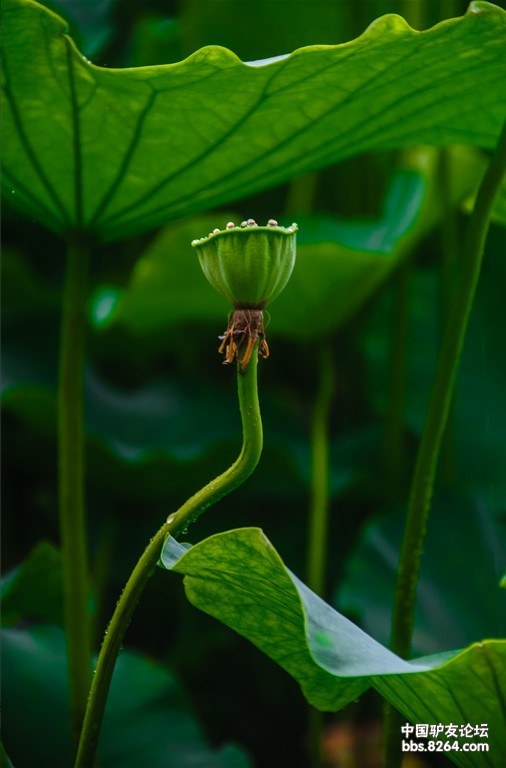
(249, 265)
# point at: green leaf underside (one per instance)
(339, 263)
(119, 151)
(147, 719)
(239, 578)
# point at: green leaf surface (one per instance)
(455, 604)
(239, 578)
(33, 590)
(119, 151)
(469, 689)
(147, 720)
(340, 262)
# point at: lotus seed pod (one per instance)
(249, 265)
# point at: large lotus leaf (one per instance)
(147, 720)
(239, 578)
(455, 603)
(340, 262)
(115, 152)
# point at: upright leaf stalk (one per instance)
(319, 511)
(71, 482)
(319, 508)
(437, 415)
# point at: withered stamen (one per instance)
(245, 329)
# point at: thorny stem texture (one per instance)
(240, 470)
(71, 482)
(439, 407)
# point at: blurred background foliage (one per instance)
(372, 282)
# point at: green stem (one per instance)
(319, 512)
(439, 407)
(319, 508)
(394, 433)
(315, 740)
(240, 470)
(71, 482)
(449, 263)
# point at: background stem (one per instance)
(71, 481)
(319, 511)
(394, 428)
(449, 263)
(437, 415)
(240, 470)
(319, 504)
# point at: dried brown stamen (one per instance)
(245, 329)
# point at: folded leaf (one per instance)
(114, 152)
(469, 689)
(239, 578)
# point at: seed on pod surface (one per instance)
(216, 231)
(251, 223)
(244, 223)
(230, 225)
(272, 223)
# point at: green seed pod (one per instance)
(249, 265)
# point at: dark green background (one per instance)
(162, 419)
